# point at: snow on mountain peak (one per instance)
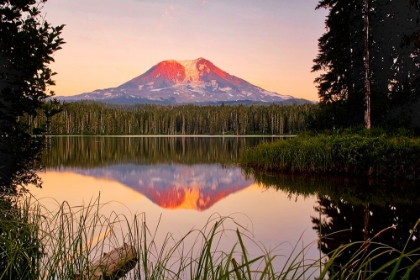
(191, 72)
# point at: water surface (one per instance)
(182, 183)
(179, 183)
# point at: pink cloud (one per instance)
(168, 13)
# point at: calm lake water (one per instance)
(180, 183)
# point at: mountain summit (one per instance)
(181, 82)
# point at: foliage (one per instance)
(394, 62)
(98, 118)
(27, 43)
(72, 237)
(20, 246)
(351, 154)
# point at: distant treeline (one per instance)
(100, 118)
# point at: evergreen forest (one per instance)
(92, 118)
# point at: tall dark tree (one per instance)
(27, 43)
(366, 60)
(392, 28)
(340, 59)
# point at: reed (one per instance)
(62, 244)
(346, 153)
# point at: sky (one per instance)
(269, 43)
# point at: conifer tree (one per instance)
(393, 30)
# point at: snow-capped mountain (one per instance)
(180, 82)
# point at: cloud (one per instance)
(169, 12)
(168, 15)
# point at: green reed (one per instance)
(350, 154)
(62, 244)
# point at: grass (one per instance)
(63, 244)
(359, 266)
(345, 153)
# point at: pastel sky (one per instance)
(269, 43)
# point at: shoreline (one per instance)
(172, 135)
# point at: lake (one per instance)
(179, 183)
(182, 183)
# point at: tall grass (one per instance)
(70, 238)
(350, 154)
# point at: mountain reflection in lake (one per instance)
(175, 186)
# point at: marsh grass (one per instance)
(62, 244)
(346, 153)
(373, 260)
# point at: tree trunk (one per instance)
(112, 265)
(367, 67)
(48, 125)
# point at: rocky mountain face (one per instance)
(185, 82)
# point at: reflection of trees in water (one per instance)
(100, 151)
(353, 211)
(343, 223)
(19, 155)
(355, 191)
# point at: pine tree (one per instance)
(391, 70)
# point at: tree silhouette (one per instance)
(27, 43)
(368, 44)
(51, 108)
(366, 59)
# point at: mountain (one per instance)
(185, 82)
(176, 186)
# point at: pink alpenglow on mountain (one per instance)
(184, 82)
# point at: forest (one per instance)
(92, 118)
